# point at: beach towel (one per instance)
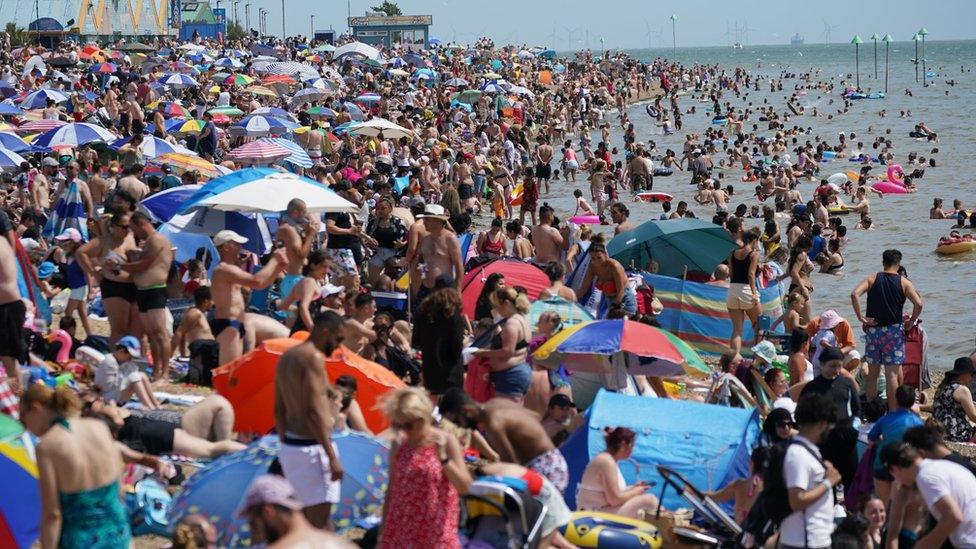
(68, 212)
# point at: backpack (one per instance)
(148, 504)
(204, 357)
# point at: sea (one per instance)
(947, 283)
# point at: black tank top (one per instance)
(740, 269)
(886, 299)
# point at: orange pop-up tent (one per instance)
(249, 384)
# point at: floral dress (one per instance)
(948, 412)
(423, 506)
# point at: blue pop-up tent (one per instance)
(708, 444)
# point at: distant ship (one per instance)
(737, 46)
(797, 40)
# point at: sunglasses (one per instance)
(785, 424)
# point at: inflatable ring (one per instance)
(651, 111)
(959, 247)
(585, 219)
(662, 172)
(837, 210)
(653, 197)
(605, 531)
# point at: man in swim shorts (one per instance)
(149, 273)
(12, 313)
(297, 231)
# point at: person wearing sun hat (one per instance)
(830, 329)
(439, 250)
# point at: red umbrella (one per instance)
(40, 126)
(516, 272)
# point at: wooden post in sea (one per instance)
(857, 60)
(887, 41)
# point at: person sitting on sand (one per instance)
(118, 378)
(603, 488)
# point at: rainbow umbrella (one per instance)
(20, 498)
(591, 347)
(238, 80)
(217, 490)
(104, 68)
(172, 108)
(191, 126)
(188, 163)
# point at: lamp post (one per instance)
(282, 20)
(311, 29)
(875, 37)
(916, 38)
(236, 20)
(857, 60)
(674, 39)
(886, 40)
(247, 17)
(922, 32)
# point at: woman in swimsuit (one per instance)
(831, 261)
(307, 294)
(502, 182)
(118, 290)
(508, 353)
(491, 243)
(521, 246)
(608, 275)
(603, 488)
(743, 296)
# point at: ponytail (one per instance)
(62, 401)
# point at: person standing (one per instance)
(840, 443)
(890, 429)
(884, 324)
(149, 273)
(304, 422)
(297, 232)
(743, 296)
(12, 313)
(439, 330)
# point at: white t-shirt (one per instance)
(938, 478)
(810, 527)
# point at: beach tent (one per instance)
(248, 383)
(517, 273)
(708, 444)
(697, 314)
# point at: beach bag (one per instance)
(774, 498)
(148, 504)
(477, 383)
(204, 357)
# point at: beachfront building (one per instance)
(408, 31)
(95, 19)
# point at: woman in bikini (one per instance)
(603, 488)
(118, 290)
(608, 275)
(307, 294)
(491, 243)
(508, 353)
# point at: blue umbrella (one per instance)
(368, 98)
(38, 99)
(166, 204)
(170, 125)
(257, 228)
(260, 124)
(299, 156)
(13, 142)
(217, 490)
(178, 80)
(354, 111)
(434, 41)
(9, 159)
(187, 245)
(276, 112)
(414, 59)
(153, 147)
(9, 109)
(74, 135)
(220, 184)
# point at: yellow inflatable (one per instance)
(956, 247)
(838, 210)
(515, 199)
(605, 531)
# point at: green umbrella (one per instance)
(373, 63)
(219, 77)
(693, 362)
(229, 111)
(678, 245)
(328, 48)
(467, 96)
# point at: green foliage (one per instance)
(235, 30)
(389, 8)
(16, 33)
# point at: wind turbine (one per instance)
(569, 40)
(745, 31)
(650, 33)
(827, 29)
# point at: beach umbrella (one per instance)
(321, 111)
(376, 126)
(217, 490)
(192, 125)
(356, 49)
(292, 68)
(228, 111)
(228, 63)
(398, 73)
(570, 313)
(308, 95)
(261, 90)
(35, 126)
(493, 87)
(39, 98)
(923, 32)
(271, 194)
(258, 125)
(519, 90)
(354, 111)
(189, 163)
(325, 48)
(153, 146)
(517, 273)
(13, 142)
(433, 41)
(678, 246)
(137, 46)
(9, 160)
(468, 96)
(591, 347)
(425, 73)
(456, 82)
(206, 221)
(547, 54)
(414, 59)
(276, 112)
(258, 152)
(103, 68)
(171, 108)
(368, 98)
(492, 75)
(73, 136)
(857, 60)
(298, 156)
(20, 499)
(178, 80)
(238, 80)
(279, 79)
(320, 83)
(525, 54)
(164, 205)
(887, 41)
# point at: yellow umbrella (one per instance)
(550, 345)
(191, 126)
(261, 90)
(6, 127)
(214, 89)
(188, 163)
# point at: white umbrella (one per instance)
(519, 90)
(357, 49)
(374, 127)
(291, 68)
(9, 160)
(271, 194)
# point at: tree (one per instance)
(235, 31)
(389, 8)
(15, 33)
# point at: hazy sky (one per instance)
(621, 23)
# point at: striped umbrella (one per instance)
(13, 142)
(308, 95)
(368, 98)
(190, 126)
(153, 147)
(74, 135)
(261, 90)
(278, 79)
(321, 111)
(171, 108)
(179, 80)
(292, 67)
(38, 99)
(258, 125)
(229, 111)
(9, 160)
(259, 152)
(228, 63)
(238, 80)
(298, 155)
(276, 112)
(20, 499)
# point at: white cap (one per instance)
(227, 235)
(331, 289)
(696, 151)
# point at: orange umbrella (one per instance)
(248, 383)
(278, 79)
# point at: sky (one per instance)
(575, 24)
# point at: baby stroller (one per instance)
(499, 512)
(720, 530)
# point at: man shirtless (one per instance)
(98, 185)
(149, 273)
(440, 250)
(304, 421)
(41, 191)
(513, 431)
(132, 184)
(297, 231)
(549, 242)
(194, 325)
(226, 284)
(314, 143)
(12, 313)
(359, 326)
(543, 157)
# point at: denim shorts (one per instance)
(513, 381)
(629, 302)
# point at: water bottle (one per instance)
(840, 512)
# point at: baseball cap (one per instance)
(49, 162)
(131, 344)
(167, 168)
(45, 270)
(829, 319)
(332, 289)
(71, 234)
(269, 490)
(227, 235)
(766, 351)
(562, 401)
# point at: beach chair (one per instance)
(718, 528)
(499, 512)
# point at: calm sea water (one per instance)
(947, 284)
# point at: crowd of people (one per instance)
(466, 185)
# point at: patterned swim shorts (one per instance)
(552, 465)
(885, 345)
